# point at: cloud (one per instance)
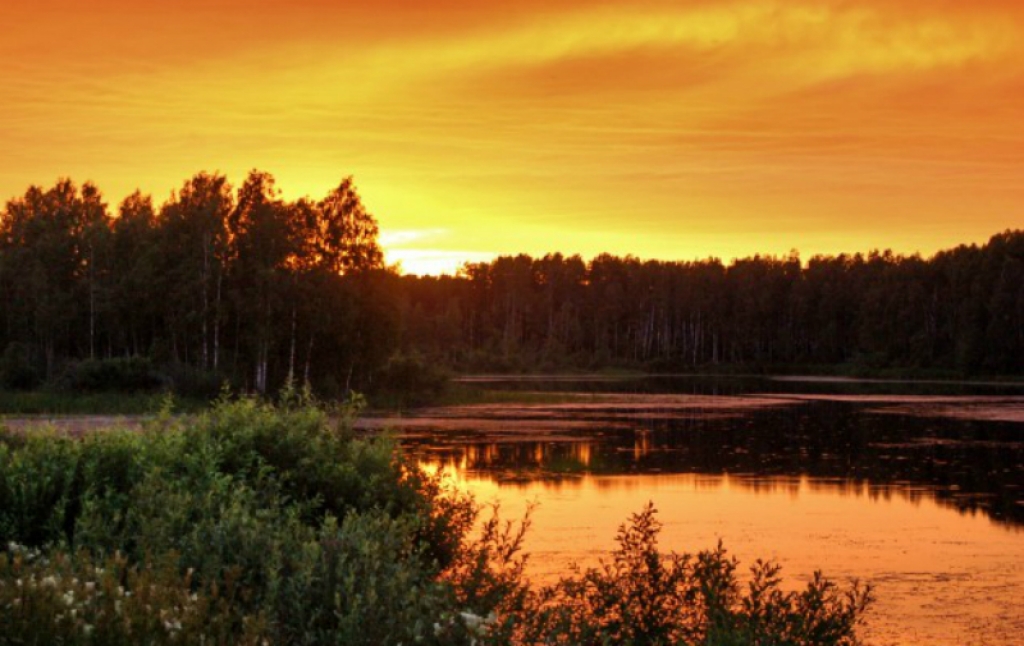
(583, 125)
(395, 239)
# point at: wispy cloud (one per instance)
(649, 126)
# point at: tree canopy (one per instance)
(215, 281)
(222, 283)
(960, 311)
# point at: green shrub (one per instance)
(120, 374)
(256, 522)
(189, 381)
(37, 492)
(645, 597)
(245, 498)
(58, 599)
(367, 580)
(410, 379)
(17, 371)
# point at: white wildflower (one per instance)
(475, 623)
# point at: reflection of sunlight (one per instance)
(847, 527)
(581, 452)
(641, 443)
(477, 455)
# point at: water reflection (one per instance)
(937, 575)
(857, 479)
(967, 465)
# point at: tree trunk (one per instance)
(216, 323)
(291, 350)
(92, 303)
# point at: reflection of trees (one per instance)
(970, 466)
(527, 457)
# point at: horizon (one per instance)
(428, 263)
(472, 131)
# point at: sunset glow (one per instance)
(662, 129)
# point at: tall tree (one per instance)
(53, 246)
(194, 247)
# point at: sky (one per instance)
(674, 130)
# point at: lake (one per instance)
(913, 487)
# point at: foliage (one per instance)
(16, 369)
(39, 402)
(257, 522)
(410, 379)
(960, 312)
(119, 374)
(212, 285)
(252, 508)
(59, 599)
(643, 596)
(218, 284)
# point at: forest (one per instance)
(218, 284)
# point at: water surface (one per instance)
(914, 488)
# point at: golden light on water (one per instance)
(914, 551)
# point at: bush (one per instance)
(16, 369)
(644, 597)
(121, 374)
(266, 505)
(58, 599)
(189, 381)
(257, 523)
(410, 380)
(37, 493)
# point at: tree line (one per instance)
(240, 285)
(960, 311)
(214, 283)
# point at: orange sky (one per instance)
(673, 130)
